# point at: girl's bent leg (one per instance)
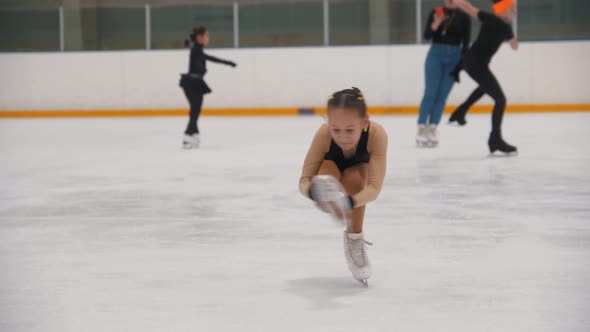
(354, 179)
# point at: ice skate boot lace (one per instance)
(358, 253)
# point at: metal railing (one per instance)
(236, 25)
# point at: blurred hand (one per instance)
(439, 17)
(328, 193)
(514, 43)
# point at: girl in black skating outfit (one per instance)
(193, 84)
(494, 31)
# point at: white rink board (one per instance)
(392, 75)
(107, 225)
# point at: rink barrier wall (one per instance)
(286, 111)
(276, 81)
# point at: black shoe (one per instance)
(497, 143)
(458, 117)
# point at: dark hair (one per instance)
(349, 99)
(198, 31)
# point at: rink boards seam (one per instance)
(286, 111)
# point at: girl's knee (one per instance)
(329, 167)
(500, 100)
(354, 180)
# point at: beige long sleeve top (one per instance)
(377, 149)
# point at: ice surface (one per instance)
(107, 225)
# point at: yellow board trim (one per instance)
(287, 111)
(250, 112)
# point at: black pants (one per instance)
(472, 99)
(195, 99)
(488, 84)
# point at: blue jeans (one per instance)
(440, 62)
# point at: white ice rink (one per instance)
(107, 225)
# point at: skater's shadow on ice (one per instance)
(325, 292)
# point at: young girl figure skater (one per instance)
(193, 84)
(495, 29)
(450, 31)
(344, 170)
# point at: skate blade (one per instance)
(189, 146)
(338, 216)
(426, 145)
(503, 154)
(340, 222)
(364, 282)
(455, 124)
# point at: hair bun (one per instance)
(356, 91)
(349, 92)
(350, 98)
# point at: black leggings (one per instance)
(472, 99)
(488, 84)
(195, 99)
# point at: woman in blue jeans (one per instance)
(450, 30)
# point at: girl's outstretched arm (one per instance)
(218, 60)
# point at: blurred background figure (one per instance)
(450, 30)
(495, 30)
(193, 84)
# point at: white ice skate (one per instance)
(331, 197)
(432, 135)
(421, 137)
(356, 256)
(191, 141)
